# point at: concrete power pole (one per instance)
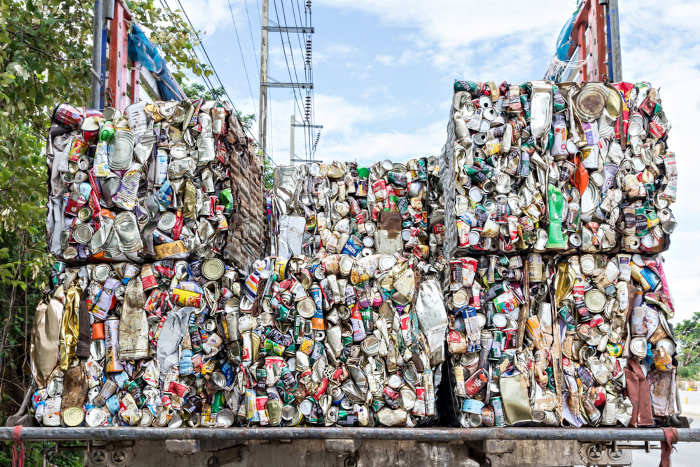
(615, 49)
(292, 121)
(96, 85)
(262, 119)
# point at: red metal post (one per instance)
(119, 71)
(589, 35)
(135, 82)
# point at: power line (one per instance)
(308, 66)
(206, 54)
(193, 55)
(296, 76)
(216, 74)
(301, 46)
(284, 52)
(298, 23)
(250, 30)
(240, 49)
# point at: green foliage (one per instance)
(687, 335)
(198, 91)
(45, 59)
(691, 372)
(55, 455)
(268, 173)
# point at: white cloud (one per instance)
(660, 44)
(398, 145)
(208, 15)
(453, 23)
(334, 51)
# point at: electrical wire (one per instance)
(289, 70)
(296, 76)
(297, 23)
(216, 74)
(240, 49)
(192, 54)
(250, 30)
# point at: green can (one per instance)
(226, 198)
(218, 403)
(106, 131)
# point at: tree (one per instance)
(45, 59)
(687, 335)
(198, 91)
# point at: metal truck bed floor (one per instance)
(287, 433)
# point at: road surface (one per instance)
(687, 454)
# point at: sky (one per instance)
(383, 73)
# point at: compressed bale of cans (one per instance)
(337, 340)
(367, 333)
(574, 341)
(164, 180)
(561, 198)
(346, 208)
(153, 344)
(571, 166)
(346, 336)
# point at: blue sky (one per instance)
(383, 71)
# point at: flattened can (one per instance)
(476, 382)
(167, 221)
(113, 365)
(213, 269)
(73, 416)
(499, 416)
(487, 416)
(96, 417)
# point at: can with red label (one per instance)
(476, 382)
(68, 115)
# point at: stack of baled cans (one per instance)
(558, 202)
(154, 216)
(519, 272)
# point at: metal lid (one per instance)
(96, 416)
(84, 213)
(306, 307)
(82, 233)
(587, 264)
(460, 298)
(167, 221)
(73, 416)
(305, 407)
(590, 101)
(638, 347)
(213, 269)
(386, 262)
(595, 300)
(100, 272)
(668, 345)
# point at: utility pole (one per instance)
(98, 26)
(292, 121)
(262, 134)
(614, 49)
(266, 83)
